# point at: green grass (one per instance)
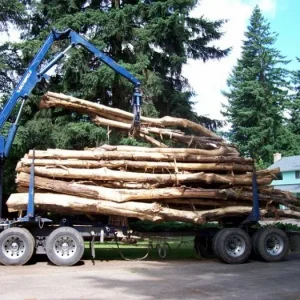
(109, 250)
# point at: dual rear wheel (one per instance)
(234, 245)
(270, 243)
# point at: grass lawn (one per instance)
(177, 249)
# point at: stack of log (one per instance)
(204, 181)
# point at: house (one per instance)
(289, 178)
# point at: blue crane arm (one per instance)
(32, 76)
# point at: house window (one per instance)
(279, 176)
(297, 174)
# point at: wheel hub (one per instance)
(235, 246)
(274, 244)
(13, 247)
(64, 247)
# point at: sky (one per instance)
(209, 79)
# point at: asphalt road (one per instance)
(206, 279)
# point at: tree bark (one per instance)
(157, 194)
(153, 141)
(146, 166)
(104, 174)
(59, 100)
(166, 133)
(97, 154)
(162, 150)
(153, 212)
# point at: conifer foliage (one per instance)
(257, 93)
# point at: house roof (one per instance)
(290, 163)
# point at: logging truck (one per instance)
(63, 242)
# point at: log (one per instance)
(166, 133)
(134, 156)
(99, 153)
(146, 166)
(160, 150)
(157, 195)
(144, 211)
(191, 202)
(108, 175)
(51, 99)
(153, 141)
(153, 212)
(129, 185)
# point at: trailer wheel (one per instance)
(215, 243)
(271, 244)
(254, 238)
(16, 246)
(233, 245)
(64, 246)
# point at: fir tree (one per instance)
(257, 93)
(12, 11)
(294, 104)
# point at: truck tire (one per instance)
(254, 238)
(215, 243)
(234, 245)
(271, 244)
(64, 246)
(16, 246)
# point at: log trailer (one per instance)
(64, 242)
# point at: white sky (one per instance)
(209, 79)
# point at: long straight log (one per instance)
(140, 165)
(144, 211)
(191, 202)
(166, 133)
(59, 100)
(99, 153)
(122, 148)
(134, 156)
(104, 174)
(121, 195)
(159, 194)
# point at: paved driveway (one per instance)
(206, 279)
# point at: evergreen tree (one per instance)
(257, 93)
(294, 104)
(12, 11)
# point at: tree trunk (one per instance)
(146, 166)
(59, 100)
(153, 141)
(153, 212)
(166, 133)
(104, 174)
(100, 153)
(158, 194)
